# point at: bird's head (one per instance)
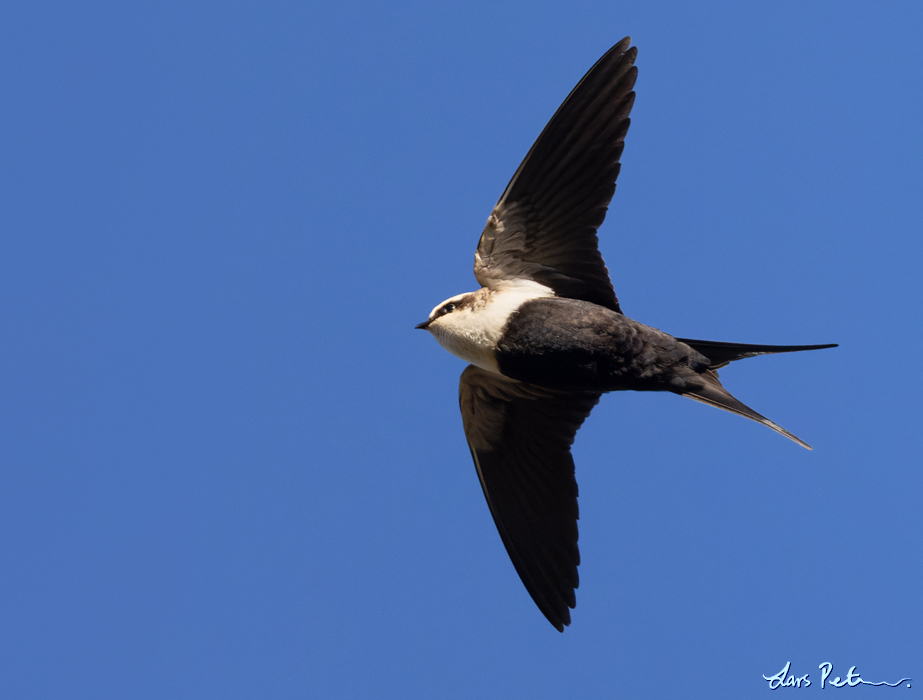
(449, 313)
(470, 325)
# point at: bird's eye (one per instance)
(448, 308)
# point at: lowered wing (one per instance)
(520, 437)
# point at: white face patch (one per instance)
(473, 330)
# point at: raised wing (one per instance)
(544, 226)
(520, 437)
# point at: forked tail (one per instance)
(719, 355)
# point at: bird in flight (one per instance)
(546, 337)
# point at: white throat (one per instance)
(472, 331)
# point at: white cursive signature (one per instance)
(784, 679)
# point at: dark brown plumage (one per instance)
(546, 336)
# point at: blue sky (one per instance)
(231, 468)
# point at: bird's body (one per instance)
(546, 336)
(564, 344)
(580, 346)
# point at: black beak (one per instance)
(423, 326)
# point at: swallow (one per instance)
(545, 335)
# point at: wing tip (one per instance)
(559, 619)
